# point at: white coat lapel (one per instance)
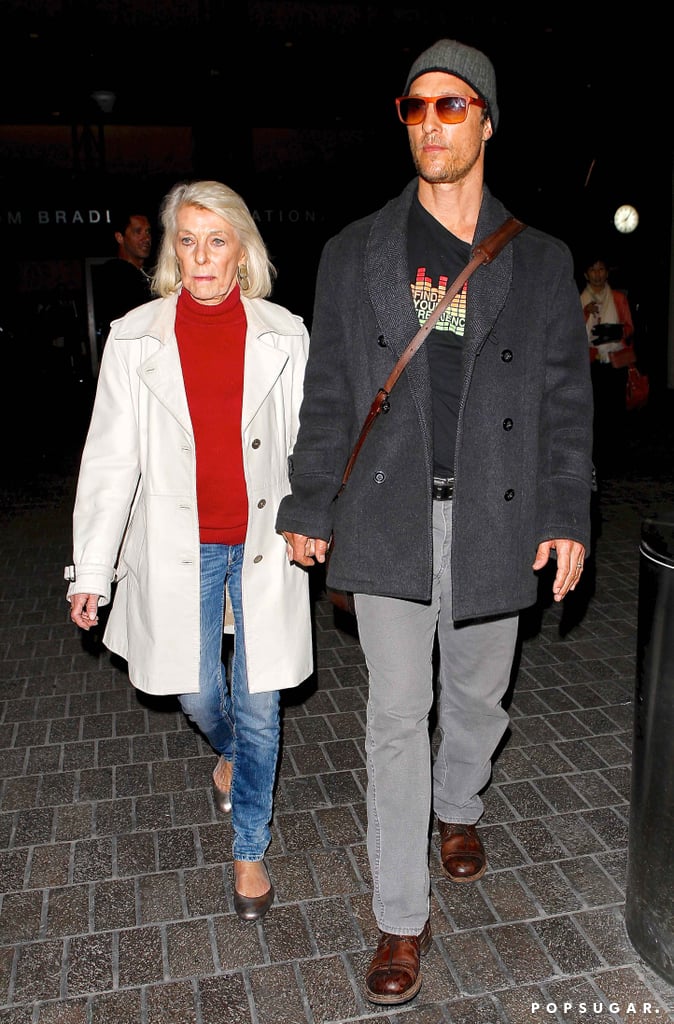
(263, 365)
(152, 326)
(162, 374)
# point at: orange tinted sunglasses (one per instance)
(450, 109)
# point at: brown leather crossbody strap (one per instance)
(485, 252)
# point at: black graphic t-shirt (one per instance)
(436, 256)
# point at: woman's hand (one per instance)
(305, 550)
(84, 610)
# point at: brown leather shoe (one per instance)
(394, 975)
(462, 853)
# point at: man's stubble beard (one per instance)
(449, 172)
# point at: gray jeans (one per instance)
(397, 638)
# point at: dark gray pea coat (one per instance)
(523, 449)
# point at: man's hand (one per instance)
(305, 550)
(570, 561)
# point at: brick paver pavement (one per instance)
(116, 867)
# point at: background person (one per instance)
(184, 465)
(123, 282)
(475, 477)
(610, 330)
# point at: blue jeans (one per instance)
(397, 638)
(244, 727)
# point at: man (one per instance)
(479, 472)
(122, 283)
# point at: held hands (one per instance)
(570, 559)
(305, 550)
(84, 610)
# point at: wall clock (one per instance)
(626, 218)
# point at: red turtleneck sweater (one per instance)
(211, 342)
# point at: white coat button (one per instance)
(258, 558)
(262, 502)
(256, 443)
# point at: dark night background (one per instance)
(292, 105)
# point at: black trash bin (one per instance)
(649, 909)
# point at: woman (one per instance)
(610, 330)
(183, 469)
(607, 312)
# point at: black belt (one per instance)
(443, 488)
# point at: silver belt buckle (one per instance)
(443, 488)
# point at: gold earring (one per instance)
(242, 275)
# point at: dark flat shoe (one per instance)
(253, 908)
(222, 798)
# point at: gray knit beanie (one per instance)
(463, 61)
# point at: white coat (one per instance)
(135, 519)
